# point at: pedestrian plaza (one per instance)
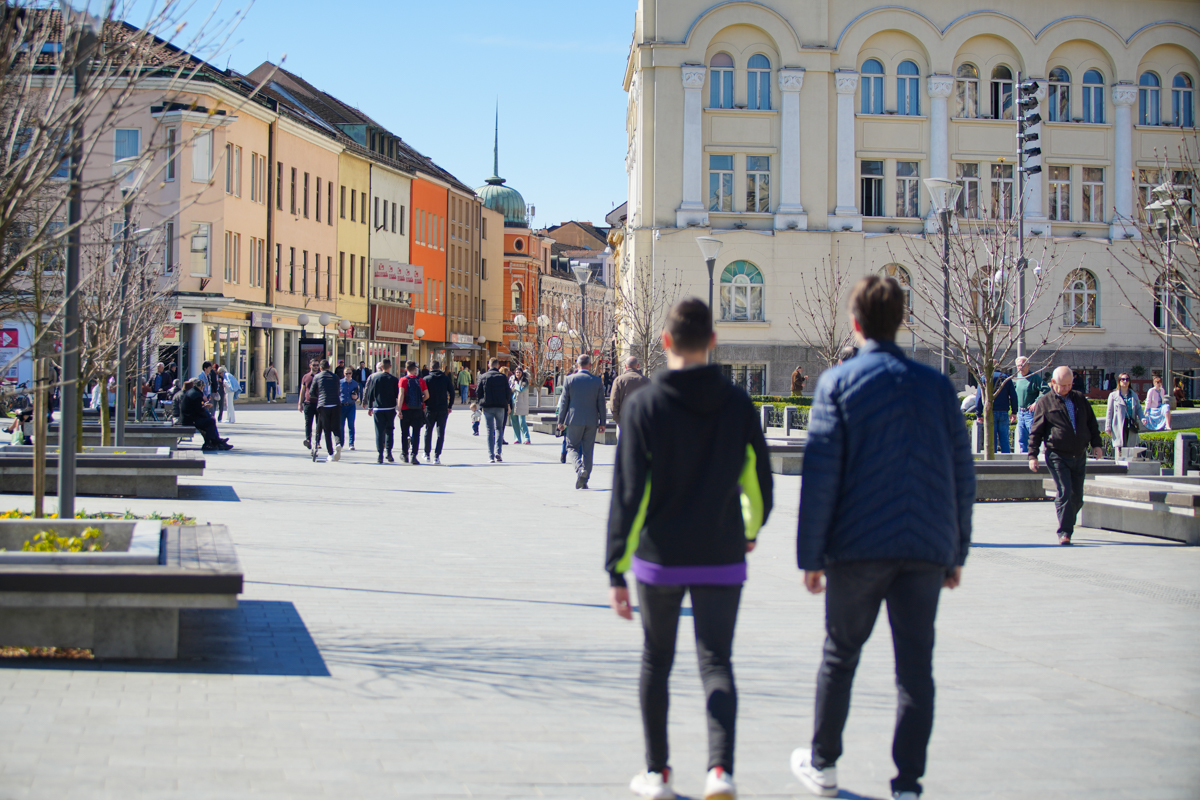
(444, 632)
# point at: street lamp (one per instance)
(944, 195)
(1167, 210)
(583, 274)
(710, 246)
(418, 335)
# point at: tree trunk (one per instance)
(39, 437)
(105, 420)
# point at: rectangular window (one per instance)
(720, 183)
(376, 213)
(483, 226)
(872, 94)
(304, 273)
(363, 217)
(201, 263)
(968, 198)
(1147, 180)
(908, 95)
(483, 269)
(1093, 102)
(292, 270)
(318, 198)
(750, 377)
(966, 97)
(353, 204)
(329, 276)
(394, 218)
(172, 138)
(1093, 194)
(228, 169)
(254, 185)
(1002, 191)
(329, 202)
(342, 274)
(758, 184)
(228, 256)
(720, 88)
(342, 202)
(352, 274)
(362, 276)
(292, 206)
(401, 219)
(1002, 98)
(237, 171)
(278, 267)
(482, 310)
(128, 144)
(202, 157)
(872, 188)
(251, 262)
(1060, 193)
(169, 248)
(279, 185)
(306, 195)
(908, 184)
(1058, 105)
(317, 276)
(237, 258)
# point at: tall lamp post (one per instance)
(543, 323)
(519, 322)
(944, 195)
(710, 247)
(583, 274)
(1167, 211)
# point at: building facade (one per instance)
(803, 133)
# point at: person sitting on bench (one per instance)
(192, 412)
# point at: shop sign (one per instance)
(261, 319)
(388, 274)
(462, 338)
(187, 316)
(169, 334)
(393, 322)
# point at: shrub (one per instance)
(791, 400)
(91, 541)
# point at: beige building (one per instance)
(491, 279)
(803, 132)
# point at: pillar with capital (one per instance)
(1123, 223)
(789, 215)
(692, 210)
(940, 87)
(846, 214)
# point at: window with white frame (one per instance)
(1093, 195)
(1058, 107)
(758, 184)
(1147, 180)
(1182, 112)
(872, 188)
(968, 198)
(1060, 193)
(908, 89)
(908, 189)
(871, 87)
(169, 248)
(1081, 296)
(172, 140)
(1093, 96)
(128, 143)
(233, 256)
(1148, 99)
(741, 293)
(202, 157)
(1002, 93)
(720, 81)
(200, 249)
(966, 92)
(758, 82)
(720, 183)
(1003, 197)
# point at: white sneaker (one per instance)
(719, 785)
(821, 782)
(329, 459)
(337, 453)
(437, 460)
(654, 785)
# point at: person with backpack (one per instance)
(380, 398)
(413, 394)
(441, 400)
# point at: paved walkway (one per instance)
(443, 632)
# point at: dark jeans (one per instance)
(714, 614)
(436, 419)
(310, 413)
(1068, 473)
(411, 420)
(854, 590)
(329, 422)
(208, 429)
(493, 417)
(385, 429)
(270, 391)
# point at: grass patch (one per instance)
(177, 518)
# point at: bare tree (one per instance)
(819, 313)
(640, 311)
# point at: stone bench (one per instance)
(136, 435)
(787, 458)
(548, 424)
(1013, 480)
(122, 603)
(1163, 506)
(124, 475)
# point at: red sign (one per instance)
(9, 338)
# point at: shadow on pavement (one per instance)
(223, 494)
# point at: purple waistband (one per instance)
(691, 575)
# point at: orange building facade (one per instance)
(428, 246)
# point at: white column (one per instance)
(1124, 96)
(277, 356)
(790, 212)
(846, 213)
(940, 87)
(1034, 184)
(692, 210)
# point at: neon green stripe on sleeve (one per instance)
(752, 500)
(631, 543)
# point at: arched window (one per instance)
(758, 82)
(741, 292)
(1093, 96)
(1181, 101)
(1081, 300)
(1002, 93)
(1148, 100)
(1059, 107)
(720, 81)
(871, 87)
(908, 89)
(517, 298)
(903, 278)
(966, 92)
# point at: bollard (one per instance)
(765, 416)
(787, 419)
(1187, 453)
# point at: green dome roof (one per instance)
(505, 199)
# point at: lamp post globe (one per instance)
(943, 194)
(519, 320)
(710, 248)
(302, 320)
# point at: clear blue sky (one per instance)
(432, 73)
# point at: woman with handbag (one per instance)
(1124, 412)
(519, 384)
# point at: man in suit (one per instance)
(581, 415)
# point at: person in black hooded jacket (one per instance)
(437, 409)
(691, 488)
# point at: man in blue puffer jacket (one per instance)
(885, 514)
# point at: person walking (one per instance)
(413, 394)
(232, 388)
(464, 383)
(581, 416)
(380, 396)
(629, 381)
(519, 385)
(1065, 422)
(495, 399)
(476, 417)
(1158, 407)
(271, 376)
(798, 379)
(325, 391)
(305, 403)
(363, 374)
(864, 541)
(1004, 409)
(507, 373)
(1028, 387)
(692, 487)
(350, 392)
(437, 408)
(1122, 420)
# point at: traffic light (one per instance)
(1027, 117)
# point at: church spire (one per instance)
(496, 180)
